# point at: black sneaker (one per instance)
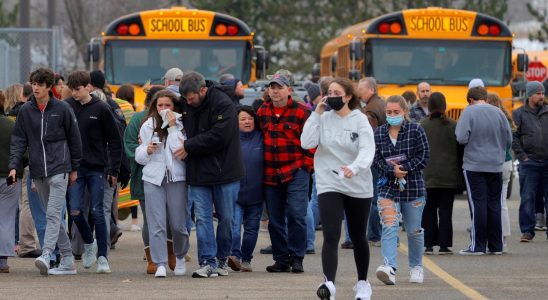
(347, 245)
(311, 251)
(429, 251)
(266, 250)
(77, 256)
(445, 251)
(297, 266)
(278, 267)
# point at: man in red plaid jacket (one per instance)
(287, 175)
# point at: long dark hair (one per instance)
(153, 111)
(349, 89)
(437, 107)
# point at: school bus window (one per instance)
(136, 57)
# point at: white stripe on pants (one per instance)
(168, 199)
(506, 173)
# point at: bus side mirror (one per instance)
(316, 70)
(356, 50)
(93, 52)
(523, 61)
(262, 59)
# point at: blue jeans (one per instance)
(94, 182)
(250, 217)
(532, 173)
(38, 212)
(310, 228)
(314, 202)
(374, 227)
(288, 200)
(391, 213)
(223, 196)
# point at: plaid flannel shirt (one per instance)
(411, 142)
(283, 154)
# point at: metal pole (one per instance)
(24, 59)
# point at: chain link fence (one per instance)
(25, 49)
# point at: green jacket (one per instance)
(444, 169)
(6, 128)
(131, 142)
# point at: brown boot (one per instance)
(151, 267)
(171, 259)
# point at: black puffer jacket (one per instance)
(51, 137)
(213, 145)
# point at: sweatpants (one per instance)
(333, 207)
(9, 202)
(484, 199)
(52, 192)
(169, 199)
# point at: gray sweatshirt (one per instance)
(348, 142)
(486, 134)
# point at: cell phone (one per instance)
(10, 180)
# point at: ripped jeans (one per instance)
(391, 213)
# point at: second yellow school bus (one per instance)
(142, 46)
(444, 47)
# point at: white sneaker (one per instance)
(160, 272)
(363, 290)
(180, 267)
(416, 275)
(66, 267)
(135, 227)
(102, 265)
(90, 254)
(326, 291)
(386, 274)
(42, 263)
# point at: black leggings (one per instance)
(333, 206)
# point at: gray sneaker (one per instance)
(42, 263)
(204, 271)
(102, 265)
(222, 268)
(90, 254)
(66, 267)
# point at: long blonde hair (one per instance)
(495, 100)
(13, 95)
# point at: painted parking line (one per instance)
(452, 281)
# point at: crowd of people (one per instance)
(194, 154)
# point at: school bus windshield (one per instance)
(132, 62)
(446, 62)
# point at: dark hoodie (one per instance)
(229, 88)
(98, 131)
(213, 145)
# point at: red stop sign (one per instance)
(536, 71)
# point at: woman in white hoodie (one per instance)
(164, 181)
(345, 152)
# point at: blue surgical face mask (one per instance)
(394, 121)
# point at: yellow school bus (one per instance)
(444, 47)
(142, 46)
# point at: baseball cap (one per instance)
(279, 79)
(286, 73)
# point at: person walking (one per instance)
(102, 149)
(419, 110)
(442, 177)
(345, 152)
(214, 168)
(287, 175)
(164, 181)
(249, 206)
(530, 146)
(402, 153)
(47, 128)
(486, 134)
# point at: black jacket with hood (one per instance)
(96, 123)
(213, 144)
(51, 137)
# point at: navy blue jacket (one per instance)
(251, 185)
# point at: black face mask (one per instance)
(335, 103)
